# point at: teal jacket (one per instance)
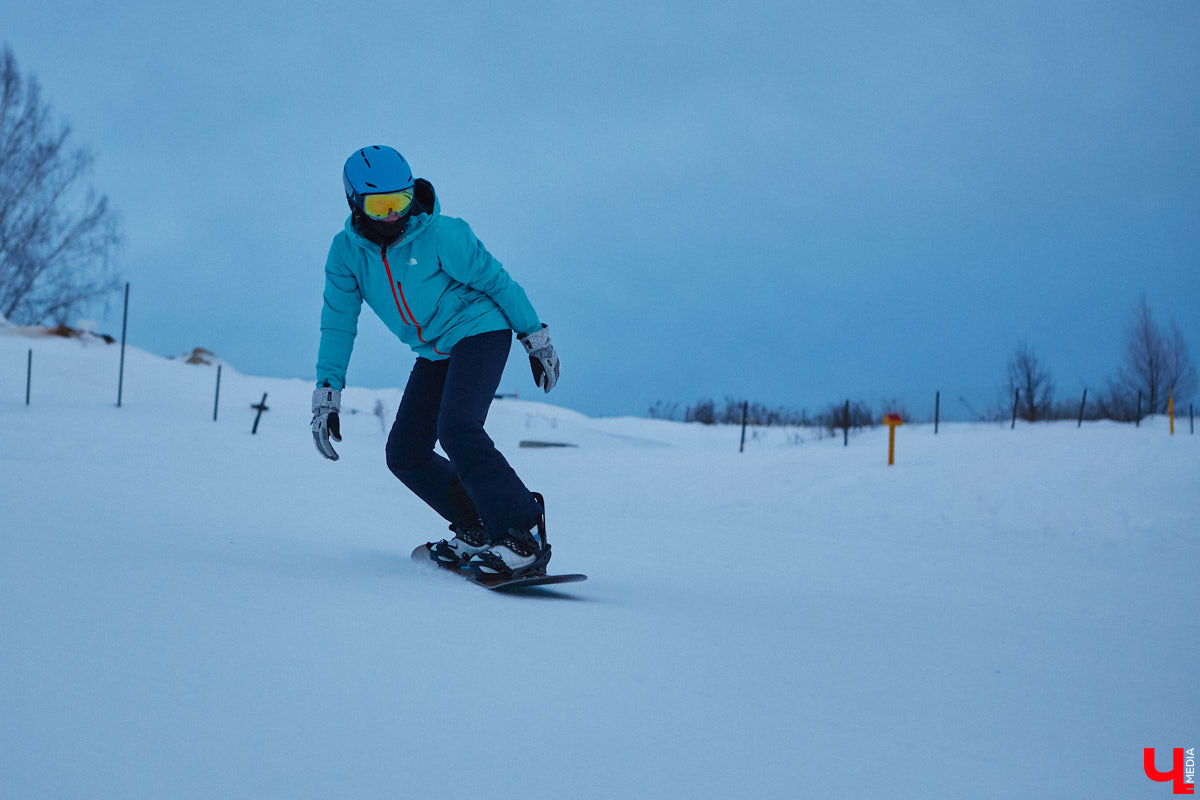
(433, 287)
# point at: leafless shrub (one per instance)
(846, 416)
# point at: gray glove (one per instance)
(325, 423)
(542, 358)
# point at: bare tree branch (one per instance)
(1179, 371)
(56, 233)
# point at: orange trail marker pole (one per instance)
(1171, 410)
(892, 421)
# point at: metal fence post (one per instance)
(745, 413)
(217, 398)
(124, 325)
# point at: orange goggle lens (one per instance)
(382, 206)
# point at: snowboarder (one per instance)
(436, 287)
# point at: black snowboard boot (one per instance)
(456, 552)
(521, 551)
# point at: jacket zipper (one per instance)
(401, 303)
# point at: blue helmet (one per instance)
(375, 170)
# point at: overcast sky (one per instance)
(784, 202)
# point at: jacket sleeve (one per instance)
(339, 320)
(464, 258)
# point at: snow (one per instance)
(189, 611)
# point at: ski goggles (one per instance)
(382, 206)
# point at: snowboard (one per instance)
(498, 584)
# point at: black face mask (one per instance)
(378, 231)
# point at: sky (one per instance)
(789, 203)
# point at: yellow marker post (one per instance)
(892, 421)
(1171, 410)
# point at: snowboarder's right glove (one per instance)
(325, 423)
(542, 358)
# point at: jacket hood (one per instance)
(425, 209)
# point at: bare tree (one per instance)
(1027, 375)
(1180, 370)
(56, 234)
(1156, 366)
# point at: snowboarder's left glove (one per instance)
(326, 403)
(542, 358)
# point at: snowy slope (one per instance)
(189, 611)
